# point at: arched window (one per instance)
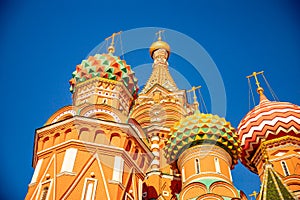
(100, 137)
(68, 135)
(56, 138)
(285, 168)
(128, 146)
(46, 143)
(136, 152)
(197, 166)
(115, 139)
(85, 135)
(217, 165)
(142, 162)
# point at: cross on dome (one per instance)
(111, 48)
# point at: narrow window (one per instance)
(183, 174)
(197, 166)
(217, 165)
(135, 155)
(128, 146)
(142, 163)
(89, 189)
(44, 193)
(285, 168)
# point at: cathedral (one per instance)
(117, 142)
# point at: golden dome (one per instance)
(159, 45)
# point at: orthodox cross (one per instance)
(111, 48)
(159, 34)
(194, 88)
(254, 74)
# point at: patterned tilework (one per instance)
(105, 66)
(202, 128)
(268, 120)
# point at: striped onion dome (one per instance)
(201, 128)
(105, 66)
(268, 120)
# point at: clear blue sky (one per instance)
(41, 42)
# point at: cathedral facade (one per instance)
(115, 142)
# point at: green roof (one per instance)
(272, 186)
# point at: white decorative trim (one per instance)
(154, 138)
(268, 122)
(118, 169)
(140, 189)
(72, 112)
(89, 189)
(154, 146)
(103, 177)
(36, 171)
(90, 112)
(281, 110)
(69, 160)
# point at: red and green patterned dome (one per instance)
(201, 128)
(267, 120)
(105, 66)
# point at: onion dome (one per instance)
(159, 44)
(200, 129)
(268, 120)
(105, 66)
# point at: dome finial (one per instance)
(159, 34)
(196, 104)
(111, 48)
(259, 89)
(159, 44)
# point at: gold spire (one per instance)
(196, 104)
(111, 48)
(159, 44)
(259, 90)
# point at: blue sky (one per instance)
(43, 41)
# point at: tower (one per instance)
(205, 148)
(91, 149)
(159, 105)
(269, 136)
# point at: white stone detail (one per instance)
(140, 189)
(69, 160)
(155, 162)
(118, 169)
(155, 153)
(154, 138)
(89, 113)
(217, 165)
(154, 146)
(36, 171)
(281, 153)
(72, 112)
